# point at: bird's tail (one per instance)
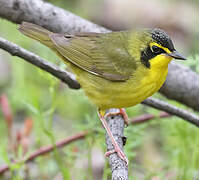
(36, 32)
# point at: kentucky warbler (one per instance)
(117, 69)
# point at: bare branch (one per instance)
(182, 84)
(180, 79)
(46, 15)
(30, 57)
(118, 166)
(46, 149)
(158, 104)
(147, 117)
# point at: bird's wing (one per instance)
(105, 55)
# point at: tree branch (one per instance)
(182, 84)
(147, 117)
(161, 105)
(46, 149)
(180, 79)
(45, 14)
(32, 58)
(118, 166)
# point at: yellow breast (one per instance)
(143, 83)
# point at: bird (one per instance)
(115, 69)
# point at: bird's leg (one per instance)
(115, 144)
(123, 113)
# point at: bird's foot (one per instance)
(115, 144)
(119, 153)
(120, 112)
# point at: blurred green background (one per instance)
(159, 149)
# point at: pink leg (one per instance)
(116, 146)
(123, 113)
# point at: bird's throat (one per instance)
(160, 62)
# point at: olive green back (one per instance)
(105, 55)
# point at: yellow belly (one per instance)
(106, 94)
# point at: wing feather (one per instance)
(105, 55)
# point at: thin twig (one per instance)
(147, 117)
(47, 149)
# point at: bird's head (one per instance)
(156, 47)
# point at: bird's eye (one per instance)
(156, 49)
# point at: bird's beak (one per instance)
(176, 55)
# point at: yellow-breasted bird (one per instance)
(117, 69)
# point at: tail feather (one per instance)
(36, 32)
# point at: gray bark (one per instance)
(118, 166)
(182, 83)
(45, 14)
(161, 105)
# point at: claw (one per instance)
(123, 113)
(119, 153)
